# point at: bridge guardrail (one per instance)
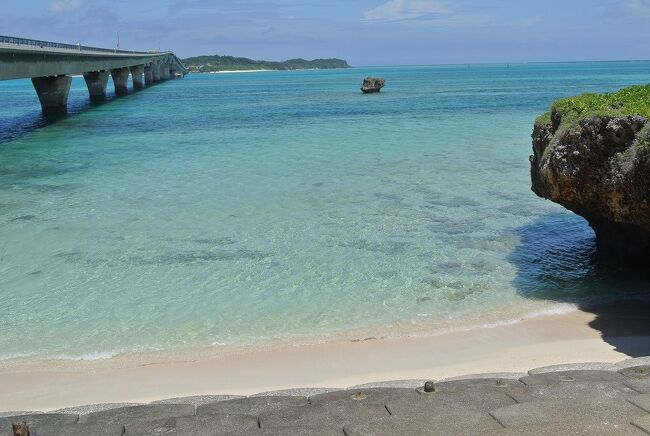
(43, 44)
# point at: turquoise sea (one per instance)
(242, 210)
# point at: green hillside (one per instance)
(205, 64)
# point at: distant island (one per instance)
(208, 64)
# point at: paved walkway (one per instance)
(584, 399)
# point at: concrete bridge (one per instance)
(50, 65)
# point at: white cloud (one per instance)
(403, 10)
(528, 22)
(62, 6)
(630, 9)
(637, 5)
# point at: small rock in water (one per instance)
(372, 84)
(429, 387)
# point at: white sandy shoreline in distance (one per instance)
(237, 71)
(253, 71)
(546, 340)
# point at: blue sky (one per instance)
(365, 32)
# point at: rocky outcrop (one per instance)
(372, 84)
(599, 168)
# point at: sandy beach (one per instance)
(579, 336)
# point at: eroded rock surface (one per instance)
(372, 84)
(599, 168)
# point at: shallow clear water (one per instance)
(240, 209)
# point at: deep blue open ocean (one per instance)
(240, 210)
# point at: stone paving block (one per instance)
(641, 385)
(6, 428)
(91, 408)
(19, 413)
(323, 415)
(130, 415)
(40, 420)
(365, 396)
(251, 405)
(208, 425)
(198, 400)
(478, 384)
(593, 366)
(572, 376)
(439, 403)
(558, 411)
(641, 371)
(299, 431)
(406, 384)
(638, 378)
(606, 391)
(489, 376)
(641, 401)
(637, 361)
(594, 428)
(471, 395)
(643, 423)
(456, 423)
(299, 392)
(77, 430)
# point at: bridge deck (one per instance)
(29, 58)
(49, 65)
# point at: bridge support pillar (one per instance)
(53, 93)
(156, 70)
(148, 75)
(120, 80)
(163, 72)
(96, 82)
(136, 73)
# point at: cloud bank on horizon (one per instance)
(364, 32)
(401, 10)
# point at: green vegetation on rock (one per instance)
(634, 100)
(567, 113)
(544, 119)
(205, 64)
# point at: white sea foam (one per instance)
(97, 355)
(556, 309)
(12, 356)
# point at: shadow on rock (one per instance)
(558, 260)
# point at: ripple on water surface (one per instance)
(238, 210)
